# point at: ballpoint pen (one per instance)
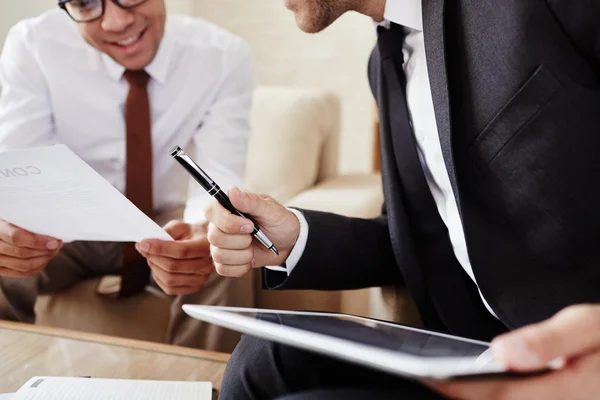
(215, 191)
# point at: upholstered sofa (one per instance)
(293, 156)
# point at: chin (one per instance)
(310, 25)
(134, 63)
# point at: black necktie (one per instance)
(399, 139)
(390, 44)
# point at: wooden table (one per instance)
(30, 350)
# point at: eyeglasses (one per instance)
(91, 10)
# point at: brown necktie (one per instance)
(138, 176)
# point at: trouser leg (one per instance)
(218, 291)
(409, 392)
(260, 369)
(75, 262)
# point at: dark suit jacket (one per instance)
(516, 89)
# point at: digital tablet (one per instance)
(396, 349)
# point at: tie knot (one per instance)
(390, 41)
(138, 78)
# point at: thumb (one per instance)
(570, 333)
(177, 229)
(249, 203)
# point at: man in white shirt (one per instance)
(121, 83)
(489, 129)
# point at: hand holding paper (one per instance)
(23, 253)
(50, 191)
(183, 266)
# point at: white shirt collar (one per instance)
(408, 13)
(158, 69)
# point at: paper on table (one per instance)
(7, 396)
(51, 191)
(54, 388)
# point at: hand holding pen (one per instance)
(235, 216)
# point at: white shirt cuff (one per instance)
(298, 250)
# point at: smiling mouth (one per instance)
(130, 40)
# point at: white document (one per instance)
(51, 191)
(6, 396)
(55, 388)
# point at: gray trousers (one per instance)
(259, 369)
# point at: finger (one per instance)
(10, 273)
(177, 229)
(571, 332)
(218, 238)
(181, 250)
(233, 271)
(195, 266)
(175, 285)
(232, 257)
(173, 279)
(22, 253)
(226, 221)
(23, 267)
(21, 238)
(171, 291)
(572, 383)
(488, 389)
(250, 203)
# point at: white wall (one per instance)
(335, 59)
(13, 11)
(180, 6)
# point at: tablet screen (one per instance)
(374, 333)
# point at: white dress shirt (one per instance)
(408, 13)
(58, 89)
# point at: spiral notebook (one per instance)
(60, 388)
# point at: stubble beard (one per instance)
(320, 14)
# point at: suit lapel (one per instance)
(435, 48)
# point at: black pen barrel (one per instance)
(210, 186)
(194, 173)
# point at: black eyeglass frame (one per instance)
(63, 4)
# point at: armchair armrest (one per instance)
(357, 195)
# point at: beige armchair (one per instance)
(313, 116)
(293, 156)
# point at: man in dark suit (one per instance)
(490, 117)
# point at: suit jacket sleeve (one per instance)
(341, 253)
(581, 22)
